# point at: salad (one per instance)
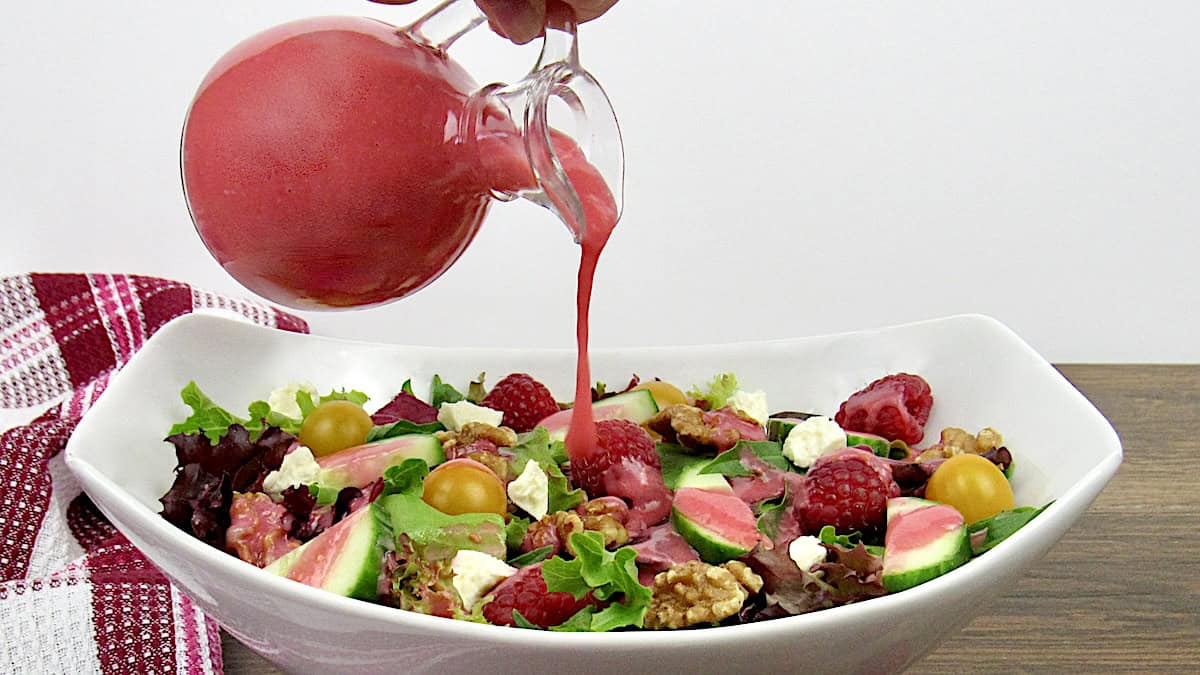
(695, 508)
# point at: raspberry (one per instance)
(849, 490)
(895, 407)
(526, 592)
(523, 400)
(616, 440)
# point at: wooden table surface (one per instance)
(1122, 590)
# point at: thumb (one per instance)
(517, 20)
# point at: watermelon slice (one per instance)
(345, 559)
(359, 466)
(924, 540)
(718, 525)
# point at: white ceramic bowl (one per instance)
(981, 373)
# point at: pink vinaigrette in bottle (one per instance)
(343, 162)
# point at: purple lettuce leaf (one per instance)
(208, 475)
(405, 406)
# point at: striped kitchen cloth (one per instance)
(75, 595)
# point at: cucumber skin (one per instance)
(360, 581)
(906, 505)
(905, 580)
(778, 428)
(637, 406)
(640, 402)
(878, 445)
(712, 549)
(950, 551)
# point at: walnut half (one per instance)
(687, 426)
(956, 441)
(502, 437)
(697, 593)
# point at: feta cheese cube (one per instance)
(283, 399)
(299, 467)
(456, 415)
(753, 403)
(806, 551)
(812, 438)
(531, 491)
(476, 573)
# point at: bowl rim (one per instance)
(240, 572)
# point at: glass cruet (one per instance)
(342, 162)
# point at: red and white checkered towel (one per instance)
(75, 595)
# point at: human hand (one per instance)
(523, 20)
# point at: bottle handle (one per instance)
(443, 25)
(558, 95)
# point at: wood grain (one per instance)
(1121, 591)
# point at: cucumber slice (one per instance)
(924, 540)
(878, 444)
(720, 527)
(345, 559)
(690, 477)
(637, 406)
(778, 428)
(681, 469)
(358, 467)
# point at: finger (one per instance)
(517, 20)
(586, 10)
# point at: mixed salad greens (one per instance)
(693, 509)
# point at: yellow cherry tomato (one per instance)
(664, 393)
(971, 484)
(464, 486)
(334, 426)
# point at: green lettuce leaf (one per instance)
(214, 421)
(260, 412)
(402, 428)
(514, 532)
(828, 535)
(307, 404)
(676, 459)
(440, 392)
(558, 451)
(718, 391)
(729, 463)
(324, 495)
(580, 622)
(207, 417)
(439, 536)
(405, 478)
(565, 576)
(535, 556)
(607, 574)
(536, 446)
(1000, 527)
(770, 512)
(521, 622)
(560, 495)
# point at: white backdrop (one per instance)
(800, 169)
